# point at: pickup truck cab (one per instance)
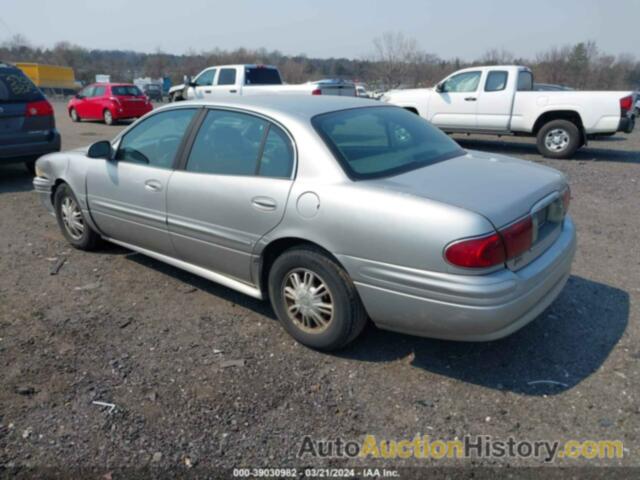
(501, 100)
(223, 81)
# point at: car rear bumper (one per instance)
(21, 151)
(463, 307)
(627, 124)
(128, 112)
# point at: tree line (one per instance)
(395, 61)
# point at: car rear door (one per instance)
(495, 100)
(226, 83)
(455, 106)
(230, 191)
(127, 195)
(96, 103)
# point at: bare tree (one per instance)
(395, 54)
(497, 57)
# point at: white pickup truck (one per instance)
(500, 100)
(229, 80)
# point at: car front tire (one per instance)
(71, 220)
(559, 139)
(73, 113)
(315, 300)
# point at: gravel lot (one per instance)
(117, 327)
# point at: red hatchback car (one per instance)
(109, 102)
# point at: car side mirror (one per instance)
(440, 87)
(78, 96)
(101, 149)
(191, 82)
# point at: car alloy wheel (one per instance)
(108, 117)
(557, 140)
(72, 218)
(308, 301)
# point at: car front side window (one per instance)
(463, 82)
(205, 79)
(156, 140)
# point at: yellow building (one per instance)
(49, 76)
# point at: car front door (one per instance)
(455, 104)
(203, 85)
(95, 103)
(127, 195)
(82, 102)
(231, 191)
(495, 101)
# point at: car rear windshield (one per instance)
(124, 90)
(374, 142)
(262, 76)
(15, 86)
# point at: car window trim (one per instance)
(182, 166)
(117, 142)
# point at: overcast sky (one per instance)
(326, 28)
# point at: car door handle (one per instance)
(207, 91)
(153, 186)
(233, 91)
(264, 203)
(471, 99)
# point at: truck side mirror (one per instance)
(440, 87)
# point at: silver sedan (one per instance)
(338, 210)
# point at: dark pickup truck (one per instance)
(27, 125)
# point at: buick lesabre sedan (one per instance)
(337, 210)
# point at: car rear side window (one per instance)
(496, 81)
(261, 76)
(233, 143)
(525, 81)
(155, 141)
(15, 86)
(374, 142)
(227, 76)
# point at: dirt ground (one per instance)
(156, 342)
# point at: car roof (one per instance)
(289, 105)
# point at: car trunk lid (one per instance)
(502, 189)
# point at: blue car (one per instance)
(27, 124)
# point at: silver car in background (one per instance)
(338, 210)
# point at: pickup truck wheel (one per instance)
(558, 139)
(315, 299)
(71, 220)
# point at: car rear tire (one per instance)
(71, 220)
(107, 116)
(73, 113)
(559, 139)
(315, 300)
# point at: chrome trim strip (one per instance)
(196, 270)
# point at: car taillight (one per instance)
(566, 200)
(477, 252)
(492, 249)
(518, 237)
(316, 91)
(626, 103)
(41, 108)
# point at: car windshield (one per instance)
(262, 76)
(126, 90)
(374, 142)
(16, 87)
